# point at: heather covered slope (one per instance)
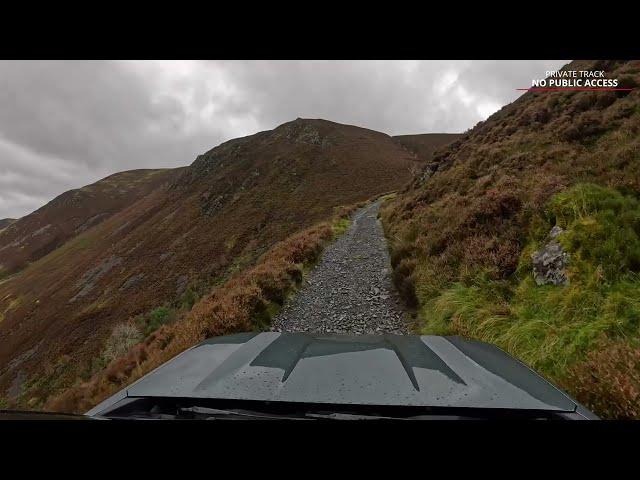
(33, 236)
(147, 264)
(463, 233)
(424, 145)
(5, 222)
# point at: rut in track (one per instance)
(350, 290)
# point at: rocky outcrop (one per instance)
(91, 277)
(132, 281)
(551, 261)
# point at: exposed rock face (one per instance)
(550, 262)
(132, 281)
(300, 132)
(210, 205)
(431, 168)
(91, 277)
(181, 284)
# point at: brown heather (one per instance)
(198, 235)
(609, 380)
(462, 232)
(232, 307)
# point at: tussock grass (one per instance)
(340, 226)
(123, 337)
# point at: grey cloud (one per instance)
(394, 97)
(66, 124)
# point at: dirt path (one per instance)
(350, 290)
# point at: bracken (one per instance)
(230, 308)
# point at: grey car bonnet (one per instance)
(390, 370)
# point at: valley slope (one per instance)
(424, 145)
(5, 222)
(154, 258)
(33, 236)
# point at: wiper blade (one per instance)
(212, 413)
(348, 416)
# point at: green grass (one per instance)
(340, 226)
(188, 298)
(84, 242)
(54, 377)
(159, 316)
(552, 327)
(263, 317)
(389, 196)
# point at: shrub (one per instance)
(188, 299)
(586, 101)
(608, 380)
(156, 318)
(123, 337)
(484, 252)
(586, 125)
(605, 99)
(626, 81)
(404, 281)
(604, 228)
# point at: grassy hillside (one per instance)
(463, 233)
(33, 236)
(425, 145)
(81, 307)
(245, 302)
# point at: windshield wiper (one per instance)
(213, 413)
(348, 416)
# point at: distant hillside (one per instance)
(552, 176)
(70, 312)
(71, 213)
(5, 222)
(424, 145)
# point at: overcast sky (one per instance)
(67, 124)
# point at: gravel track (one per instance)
(350, 290)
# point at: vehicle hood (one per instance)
(390, 370)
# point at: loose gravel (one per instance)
(350, 290)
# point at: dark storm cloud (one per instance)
(66, 124)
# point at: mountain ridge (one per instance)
(33, 236)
